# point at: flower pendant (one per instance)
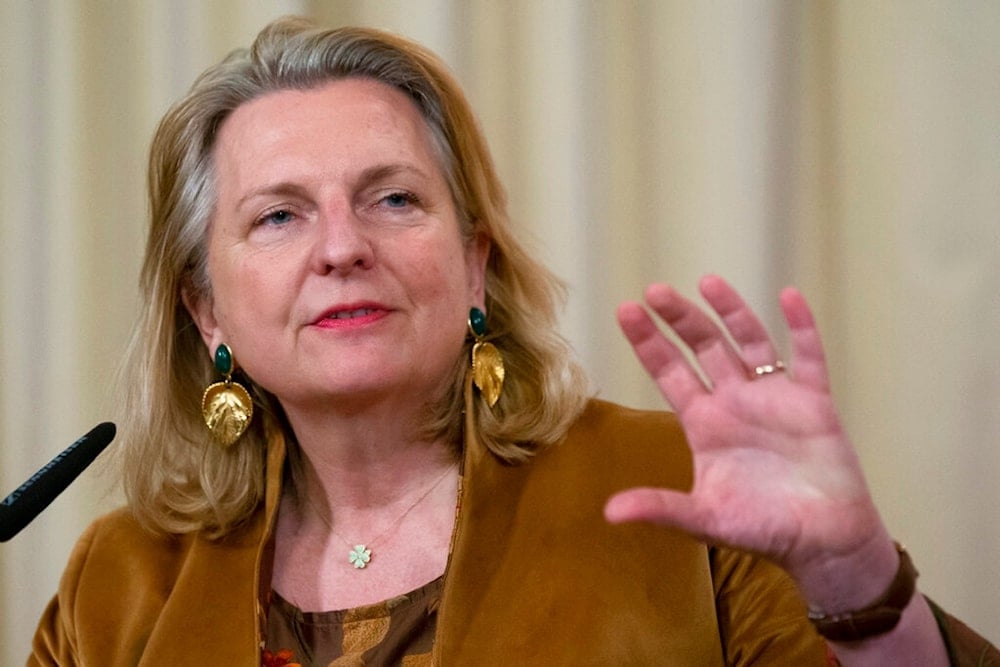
(359, 556)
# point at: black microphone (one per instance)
(19, 508)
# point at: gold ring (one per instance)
(777, 367)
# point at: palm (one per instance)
(774, 472)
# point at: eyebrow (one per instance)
(379, 172)
(282, 188)
(369, 175)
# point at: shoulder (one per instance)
(126, 587)
(104, 588)
(120, 524)
(120, 532)
(604, 419)
(117, 543)
(644, 447)
(601, 416)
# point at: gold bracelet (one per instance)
(877, 618)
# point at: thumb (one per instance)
(675, 509)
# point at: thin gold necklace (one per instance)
(361, 554)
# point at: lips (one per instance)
(351, 314)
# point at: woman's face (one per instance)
(337, 267)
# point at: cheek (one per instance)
(441, 288)
(245, 298)
(448, 285)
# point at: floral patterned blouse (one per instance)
(398, 631)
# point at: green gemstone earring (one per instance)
(487, 362)
(226, 406)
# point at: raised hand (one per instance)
(774, 472)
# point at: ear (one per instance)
(477, 253)
(201, 308)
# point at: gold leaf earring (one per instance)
(487, 362)
(226, 406)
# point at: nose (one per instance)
(343, 244)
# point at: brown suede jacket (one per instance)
(536, 576)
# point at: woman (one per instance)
(414, 472)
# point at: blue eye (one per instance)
(399, 199)
(279, 217)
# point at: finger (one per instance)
(700, 333)
(664, 362)
(808, 358)
(740, 320)
(674, 509)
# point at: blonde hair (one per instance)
(176, 478)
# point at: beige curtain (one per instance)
(850, 148)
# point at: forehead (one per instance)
(337, 124)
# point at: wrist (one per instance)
(875, 618)
(848, 578)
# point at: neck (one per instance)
(370, 489)
(403, 514)
(364, 460)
